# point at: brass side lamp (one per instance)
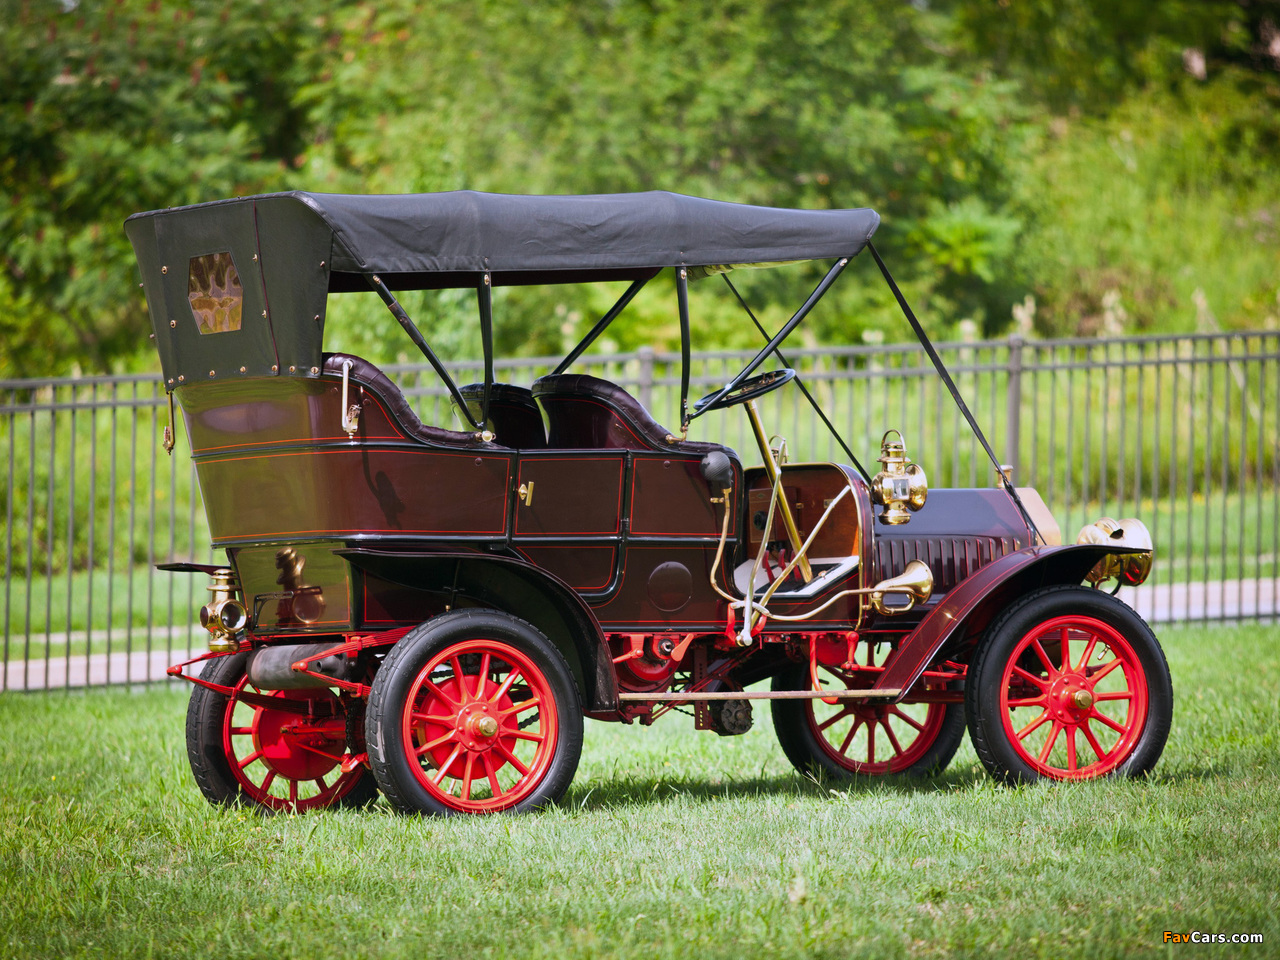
(901, 484)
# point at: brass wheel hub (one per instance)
(477, 727)
(1070, 700)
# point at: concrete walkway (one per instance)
(1157, 603)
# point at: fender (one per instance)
(516, 587)
(972, 604)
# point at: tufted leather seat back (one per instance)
(514, 416)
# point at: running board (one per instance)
(872, 694)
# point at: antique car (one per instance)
(430, 613)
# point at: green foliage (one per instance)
(108, 109)
(990, 136)
(1163, 216)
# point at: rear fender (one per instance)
(517, 588)
(975, 602)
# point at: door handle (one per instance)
(525, 493)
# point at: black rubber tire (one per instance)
(209, 762)
(799, 740)
(398, 673)
(982, 691)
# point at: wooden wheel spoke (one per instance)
(1031, 678)
(906, 718)
(840, 715)
(1088, 652)
(506, 685)
(523, 735)
(897, 747)
(871, 743)
(1103, 718)
(1093, 741)
(466, 775)
(1071, 749)
(1044, 658)
(1066, 649)
(853, 730)
(1033, 726)
(521, 707)
(485, 660)
(495, 788)
(1028, 702)
(459, 677)
(1117, 695)
(439, 692)
(1103, 671)
(241, 731)
(293, 792)
(1047, 748)
(419, 717)
(512, 759)
(438, 741)
(321, 784)
(250, 758)
(267, 781)
(444, 767)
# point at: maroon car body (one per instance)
(431, 612)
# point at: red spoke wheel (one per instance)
(849, 739)
(474, 712)
(1069, 684)
(285, 758)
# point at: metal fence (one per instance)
(1182, 432)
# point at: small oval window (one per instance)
(213, 287)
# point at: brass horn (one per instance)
(916, 581)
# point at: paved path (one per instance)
(1157, 603)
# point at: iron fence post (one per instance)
(645, 356)
(1013, 409)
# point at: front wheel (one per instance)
(860, 738)
(473, 712)
(1069, 684)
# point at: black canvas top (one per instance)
(470, 232)
(239, 287)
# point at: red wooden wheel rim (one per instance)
(1073, 698)
(465, 734)
(284, 760)
(900, 737)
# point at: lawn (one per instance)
(670, 843)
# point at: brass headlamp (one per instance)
(224, 616)
(901, 485)
(1131, 567)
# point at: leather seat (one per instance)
(514, 416)
(587, 412)
(374, 380)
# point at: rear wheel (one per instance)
(1069, 684)
(849, 738)
(473, 712)
(283, 751)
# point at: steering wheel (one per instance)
(748, 389)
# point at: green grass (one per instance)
(670, 843)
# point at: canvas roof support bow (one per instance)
(817, 408)
(955, 392)
(416, 336)
(818, 292)
(601, 325)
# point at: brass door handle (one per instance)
(525, 493)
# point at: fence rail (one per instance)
(1181, 431)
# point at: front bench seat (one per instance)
(514, 416)
(586, 412)
(373, 380)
